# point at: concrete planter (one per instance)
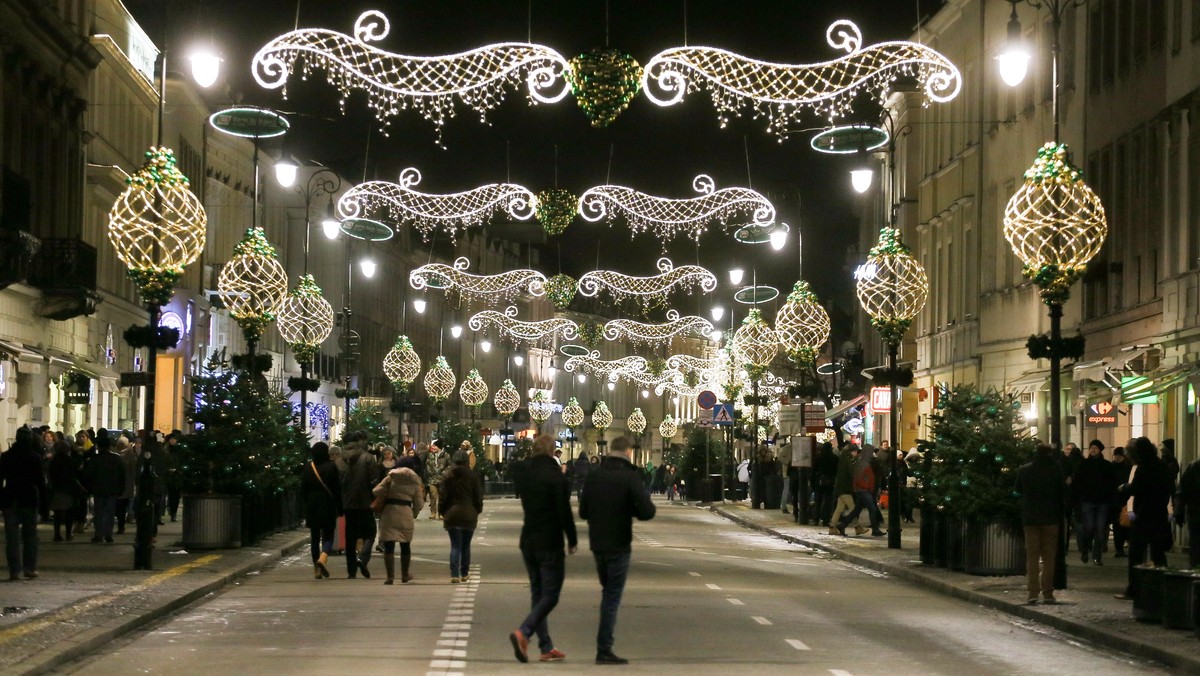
(1179, 598)
(956, 534)
(1148, 593)
(212, 521)
(995, 547)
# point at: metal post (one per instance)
(894, 514)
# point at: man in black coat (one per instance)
(546, 501)
(1189, 512)
(613, 496)
(1043, 489)
(22, 490)
(104, 477)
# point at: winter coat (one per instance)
(22, 483)
(129, 466)
(612, 497)
(825, 469)
(1150, 489)
(65, 487)
(1093, 481)
(460, 500)
(358, 471)
(436, 465)
(322, 503)
(843, 482)
(546, 503)
(1043, 489)
(397, 522)
(743, 471)
(103, 474)
(1189, 494)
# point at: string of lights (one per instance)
(489, 288)
(655, 334)
(538, 332)
(654, 288)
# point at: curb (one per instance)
(95, 638)
(1088, 632)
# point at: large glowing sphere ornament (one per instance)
(667, 428)
(892, 286)
(401, 364)
(507, 399)
(602, 417)
(802, 325)
(756, 344)
(572, 413)
(157, 226)
(636, 422)
(541, 407)
(305, 319)
(439, 380)
(253, 283)
(473, 390)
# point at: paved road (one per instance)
(704, 597)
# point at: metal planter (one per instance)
(212, 521)
(928, 537)
(1179, 598)
(995, 547)
(1148, 593)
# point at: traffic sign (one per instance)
(706, 400)
(704, 422)
(722, 414)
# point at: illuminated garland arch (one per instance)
(539, 332)
(655, 334)
(611, 369)
(489, 288)
(647, 289)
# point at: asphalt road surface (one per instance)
(704, 597)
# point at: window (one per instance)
(1125, 31)
(1141, 30)
(1109, 44)
(1176, 26)
(1096, 47)
(1195, 20)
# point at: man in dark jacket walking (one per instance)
(546, 502)
(613, 496)
(1043, 490)
(104, 477)
(22, 490)
(1189, 512)
(1093, 490)
(358, 471)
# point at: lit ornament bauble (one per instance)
(305, 319)
(507, 399)
(1054, 223)
(604, 81)
(667, 428)
(636, 422)
(253, 283)
(602, 417)
(555, 210)
(892, 286)
(540, 407)
(755, 343)
(439, 380)
(560, 289)
(157, 226)
(473, 390)
(401, 364)
(802, 325)
(572, 414)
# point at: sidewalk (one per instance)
(88, 594)
(1087, 608)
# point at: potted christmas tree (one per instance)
(966, 480)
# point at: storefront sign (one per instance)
(814, 418)
(1101, 414)
(881, 400)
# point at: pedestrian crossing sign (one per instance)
(722, 414)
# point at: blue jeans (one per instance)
(460, 551)
(104, 512)
(612, 568)
(546, 572)
(20, 540)
(1093, 529)
(864, 500)
(320, 539)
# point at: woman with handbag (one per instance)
(461, 502)
(322, 505)
(1148, 493)
(398, 500)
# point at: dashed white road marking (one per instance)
(840, 672)
(712, 586)
(796, 643)
(694, 574)
(456, 630)
(735, 602)
(761, 620)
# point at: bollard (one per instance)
(147, 519)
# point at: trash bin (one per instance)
(716, 487)
(774, 492)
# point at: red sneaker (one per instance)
(520, 645)
(553, 656)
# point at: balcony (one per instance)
(65, 271)
(17, 251)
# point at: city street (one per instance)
(704, 596)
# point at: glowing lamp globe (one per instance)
(157, 226)
(401, 364)
(802, 325)
(285, 172)
(305, 319)
(755, 343)
(507, 399)
(602, 417)
(540, 408)
(636, 422)
(473, 391)
(572, 414)
(667, 428)
(439, 380)
(892, 286)
(253, 283)
(206, 66)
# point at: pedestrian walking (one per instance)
(1148, 493)
(103, 476)
(1092, 490)
(546, 505)
(462, 502)
(436, 464)
(320, 488)
(22, 490)
(1121, 468)
(66, 491)
(864, 486)
(1189, 510)
(1043, 490)
(843, 488)
(358, 472)
(613, 497)
(743, 478)
(404, 500)
(825, 469)
(129, 466)
(789, 496)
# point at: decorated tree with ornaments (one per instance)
(969, 467)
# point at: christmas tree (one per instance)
(370, 419)
(970, 466)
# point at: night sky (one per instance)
(655, 150)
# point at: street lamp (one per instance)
(779, 236)
(861, 179)
(285, 172)
(717, 312)
(1014, 60)
(736, 275)
(519, 359)
(485, 345)
(206, 67)
(419, 306)
(368, 267)
(456, 331)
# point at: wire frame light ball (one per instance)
(572, 413)
(667, 428)
(305, 319)
(157, 226)
(473, 390)
(1054, 223)
(755, 343)
(540, 408)
(802, 325)
(636, 422)
(892, 286)
(401, 364)
(439, 380)
(253, 283)
(602, 418)
(507, 400)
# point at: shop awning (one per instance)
(1159, 381)
(1038, 379)
(106, 379)
(841, 409)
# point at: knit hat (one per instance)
(460, 458)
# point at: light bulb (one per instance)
(368, 267)
(581, 378)
(285, 172)
(779, 236)
(518, 360)
(456, 330)
(1014, 60)
(552, 371)
(717, 313)
(419, 306)
(861, 179)
(331, 228)
(645, 394)
(715, 336)
(206, 66)
(485, 345)
(735, 276)
(612, 386)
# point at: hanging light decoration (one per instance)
(802, 325)
(559, 289)
(541, 407)
(666, 218)
(892, 286)
(157, 226)
(572, 414)
(1054, 223)
(755, 344)
(604, 368)
(667, 428)
(401, 364)
(604, 81)
(305, 319)
(479, 78)
(473, 390)
(781, 92)
(507, 400)
(657, 334)
(602, 418)
(517, 331)
(647, 290)
(439, 381)
(636, 422)
(399, 204)
(253, 284)
(555, 210)
(489, 288)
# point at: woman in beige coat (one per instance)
(405, 494)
